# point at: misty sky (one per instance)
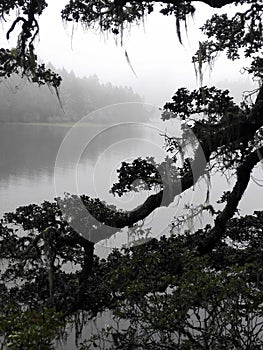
(160, 62)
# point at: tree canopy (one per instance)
(197, 290)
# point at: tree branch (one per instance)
(243, 177)
(76, 239)
(232, 133)
(211, 3)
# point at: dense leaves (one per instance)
(212, 102)
(141, 174)
(107, 15)
(237, 35)
(23, 59)
(175, 299)
(164, 288)
(30, 330)
(10, 62)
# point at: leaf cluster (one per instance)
(240, 34)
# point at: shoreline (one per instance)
(57, 123)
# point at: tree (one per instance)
(213, 301)
(228, 139)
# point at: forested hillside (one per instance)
(23, 101)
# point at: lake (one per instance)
(38, 163)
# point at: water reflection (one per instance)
(27, 160)
(28, 155)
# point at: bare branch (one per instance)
(17, 20)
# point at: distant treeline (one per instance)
(22, 101)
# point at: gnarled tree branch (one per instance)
(243, 177)
(235, 131)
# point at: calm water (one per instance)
(28, 161)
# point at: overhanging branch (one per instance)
(211, 3)
(234, 132)
(243, 177)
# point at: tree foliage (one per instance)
(196, 290)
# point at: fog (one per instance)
(161, 63)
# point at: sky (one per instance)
(157, 57)
(161, 63)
